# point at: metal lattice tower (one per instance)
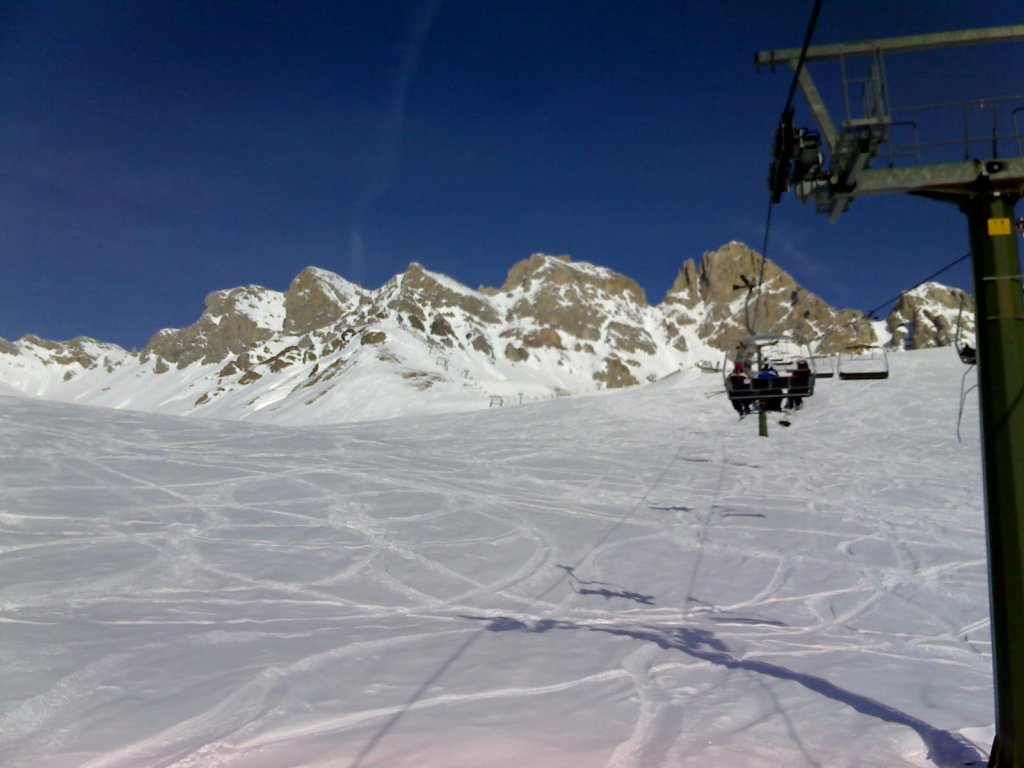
(985, 181)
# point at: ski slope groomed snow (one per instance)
(626, 580)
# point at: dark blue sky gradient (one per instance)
(153, 152)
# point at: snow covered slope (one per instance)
(628, 580)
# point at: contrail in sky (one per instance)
(391, 136)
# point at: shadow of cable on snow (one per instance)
(601, 588)
(945, 749)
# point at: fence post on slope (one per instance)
(1000, 345)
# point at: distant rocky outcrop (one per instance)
(80, 351)
(929, 316)
(32, 363)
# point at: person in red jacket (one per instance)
(739, 389)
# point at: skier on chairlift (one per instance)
(799, 385)
(739, 386)
(772, 400)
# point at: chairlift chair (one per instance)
(968, 354)
(755, 361)
(863, 362)
(824, 366)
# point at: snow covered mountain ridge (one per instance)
(328, 350)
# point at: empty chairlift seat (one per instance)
(824, 366)
(863, 363)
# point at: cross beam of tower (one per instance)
(985, 184)
(862, 134)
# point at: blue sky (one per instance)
(153, 152)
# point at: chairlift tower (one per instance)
(985, 182)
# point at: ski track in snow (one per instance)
(630, 581)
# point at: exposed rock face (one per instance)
(928, 316)
(629, 338)
(417, 289)
(441, 327)
(615, 374)
(742, 295)
(81, 351)
(560, 270)
(685, 289)
(287, 357)
(71, 358)
(481, 344)
(317, 298)
(553, 294)
(233, 322)
(516, 354)
(546, 337)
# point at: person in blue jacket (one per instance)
(772, 400)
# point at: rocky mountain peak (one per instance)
(745, 293)
(544, 270)
(80, 351)
(523, 273)
(929, 315)
(232, 322)
(317, 298)
(685, 289)
(555, 296)
(422, 294)
(726, 275)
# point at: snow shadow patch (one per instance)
(669, 507)
(945, 749)
(603, 589)
(754, 621)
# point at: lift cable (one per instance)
(870, 314)
(918, 284)
(781, 154)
